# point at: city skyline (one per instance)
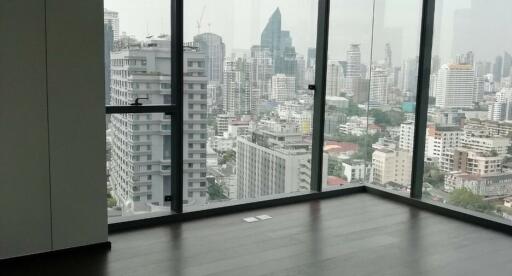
(254, 113)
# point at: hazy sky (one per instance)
(240, 22)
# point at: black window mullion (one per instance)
(322, 43)
(177, 100)
(167, 109)
(424, 64)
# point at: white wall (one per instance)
(24, 176)
(52, 126)
(76, 97)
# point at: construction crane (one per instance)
(200, 21)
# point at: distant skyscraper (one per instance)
(215, 50)
(455, 86)
(108, 46)
(112, 18)
(300, 73)
(388, 60)
(283, 87)
(467, 58)
(280, 44)
(378, 87)
(498, 68)
(237, 87)
(507, 64)
(271, 36)
(261, 70)
(311, 62)
(410, 76)
(335, 78)
(353, 72)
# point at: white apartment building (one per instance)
(335, 78)
(499, 145)
(455, 86)
(354, 170)
(391, 166)
(140, 165)
(357, 126)
(223, 121)
(501, 109)
(441, 139)
(337, 102)
(283, 87)
(378, 86)
(406, 141)
(353, 74)
(272, 159)
(487, 186)
(477, 162)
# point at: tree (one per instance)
(216, 191)
(466, 199)
(353, 110)
(227, 157)
(335, 168)
(387, 118)
(433, 176)
(111, 202)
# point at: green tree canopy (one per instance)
(466, 199)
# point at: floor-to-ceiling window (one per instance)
(247, 111)
(371, 89)
(468, 136)
(137, 76)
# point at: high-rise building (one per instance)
(442, 139)
(455, 86)
(141, 151)
(108, 35)
(280, 44)
(501, 109)
(311, 61)
(410, 76)
(507, 64)
(215, 50)
(272, 159)
(261, 70)
(378, 87)
(335, 78)
(237, 87)
(112, 18)
(497, 70)
(271, 36)
(388, 60)
(283, 87)
(406, 141)
(300, 73)
(353, 72)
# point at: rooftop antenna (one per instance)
(200, 21)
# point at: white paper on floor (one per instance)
(264, 217)
(250, 219)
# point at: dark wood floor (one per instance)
(353, 235)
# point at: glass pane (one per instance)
(371, 92)
(346, 154)
(138, 164)
(137, 65)
(247, 110)
(468, 134)
(134, 31)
